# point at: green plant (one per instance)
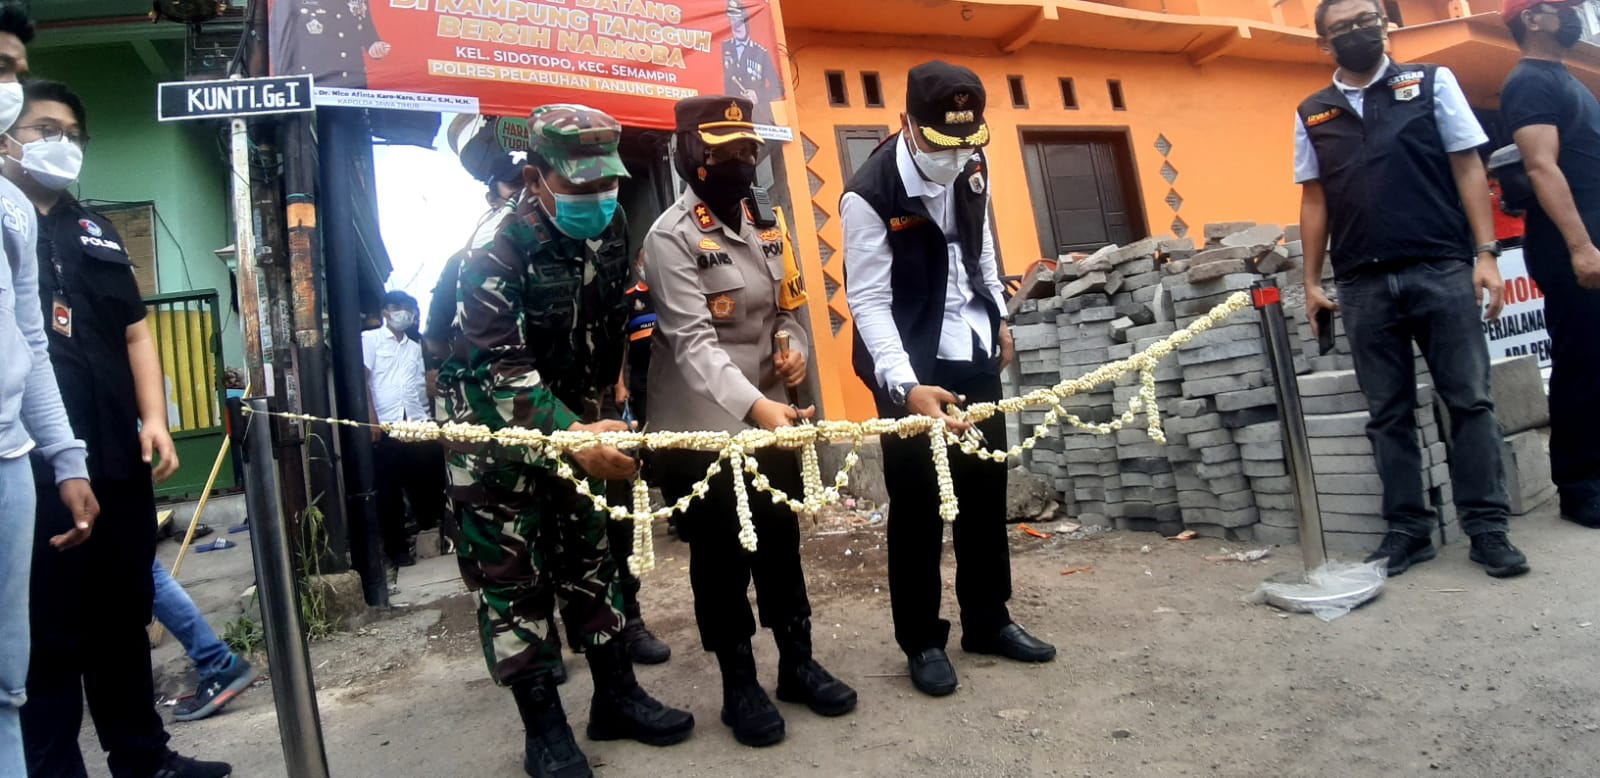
(313, 592)
(243, 635)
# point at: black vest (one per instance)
(921, 269)
(1390, 191)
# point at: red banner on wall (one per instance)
(630, 58)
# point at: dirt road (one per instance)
(1162, 671)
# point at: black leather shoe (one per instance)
(1399, 552)
(932, 674)
(1011, 642)
(1499, 558)
(1585, 514)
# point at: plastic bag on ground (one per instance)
(1328, 592)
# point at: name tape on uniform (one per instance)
(180, 100)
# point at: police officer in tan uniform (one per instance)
(723, 290)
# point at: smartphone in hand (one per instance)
(1324, 331)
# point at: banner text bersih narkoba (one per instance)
(630, 58)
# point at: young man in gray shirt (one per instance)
(32, 418)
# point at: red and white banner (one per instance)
(630, 58)
(1521, 328)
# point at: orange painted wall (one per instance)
(1229, 123)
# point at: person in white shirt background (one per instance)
(406, 473)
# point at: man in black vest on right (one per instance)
(924, 289)
(1387, 159)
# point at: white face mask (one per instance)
(10, 103)
(400, 321)
(944, 166)
(54, 164)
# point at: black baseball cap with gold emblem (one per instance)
(718, 119)
(946, 101)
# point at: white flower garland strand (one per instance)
(738, 448)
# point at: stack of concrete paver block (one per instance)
(1349, 489)
(1223, 472)
(1523, 410)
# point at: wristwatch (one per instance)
(1492, 248)
(900, 393)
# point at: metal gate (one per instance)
(188, 340)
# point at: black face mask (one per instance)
(1359, 51)
(724, 188)
(1571, 29)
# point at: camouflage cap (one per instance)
(578, 141)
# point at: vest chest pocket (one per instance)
(550, 295)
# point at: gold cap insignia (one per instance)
(959, 117)
(733, 114)
(961, 99)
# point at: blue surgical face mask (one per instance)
(585, 216)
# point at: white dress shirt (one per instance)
(867, 260)
(1458, 126)
(399, 381)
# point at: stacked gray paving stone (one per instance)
(1349, 490)
(1223, 471)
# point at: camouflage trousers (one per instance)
(529, 543)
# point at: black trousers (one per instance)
(408, 472)
(720, 570)
(619, 534)
(916, 532)
(88, 610)
(1572, 315)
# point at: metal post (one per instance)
(293, 692)
(1280, 352)
(250, 310)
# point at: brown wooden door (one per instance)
(1081, 193)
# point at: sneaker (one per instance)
(179, 766)
(1399, 552)
(216, 691)
(1495, 552)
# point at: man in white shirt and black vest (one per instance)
(1388, 163)
(924, 288)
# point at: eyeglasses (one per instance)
(1366, 21)
(743, 151)
(52, 134)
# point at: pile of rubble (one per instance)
(1223, 472)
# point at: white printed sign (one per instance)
(1521, 328)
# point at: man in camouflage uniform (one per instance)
(540, 322)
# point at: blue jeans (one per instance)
(1431, 303)
(178, 614)
(16, 562)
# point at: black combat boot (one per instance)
(745, 705)
(643, 647)
(622, 710)
(801, 680)
(551, 751)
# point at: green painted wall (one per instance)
(180, 166)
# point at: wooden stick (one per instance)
(158, 632)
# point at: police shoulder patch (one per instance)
(1323, 117)
(703, 217)
(721, 307)
(90, 227)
